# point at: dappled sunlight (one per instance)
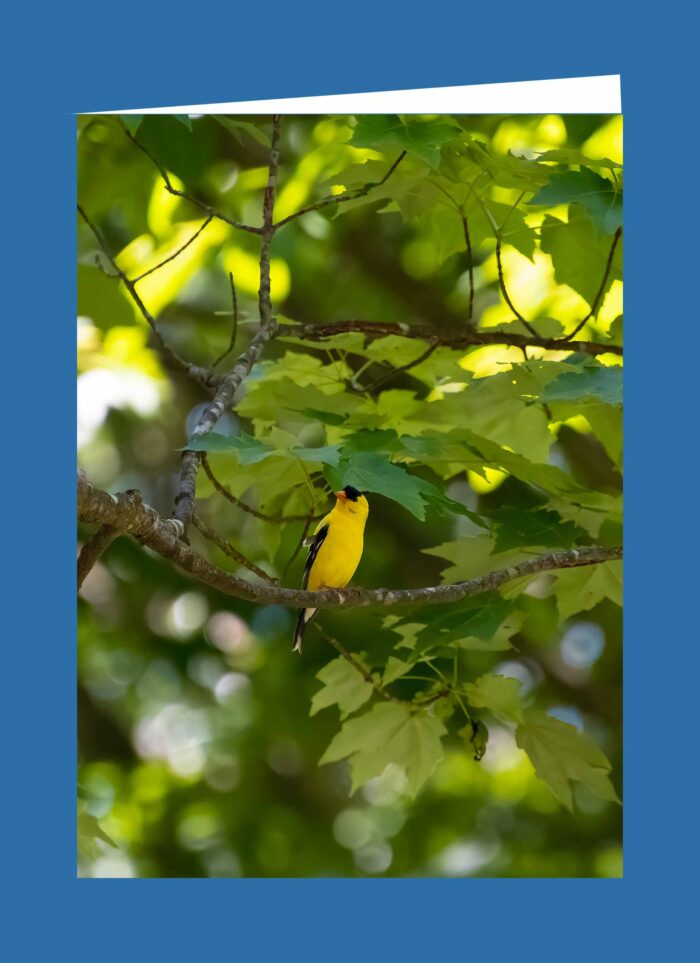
(455, 730)
(246, 272)
(159, 289)
(606, 141)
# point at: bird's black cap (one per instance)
(352, 493)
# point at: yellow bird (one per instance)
(335, 550)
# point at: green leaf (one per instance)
(184, 119)
(395, 668)
(327, 454)
(370, 471)
(580, 589)
(497, 693)
(131, 121)
(570, 156)
(326, 417)
(590, 384)
(388, 733)
(238, 127)
(89, 832)
(424, 138)
(473, 618)
(579, 253)
(562, 755)
(342, 686)
(602, 202)
(518, 528)
(248, 449)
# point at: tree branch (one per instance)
(177, 253)
(202, 375)
(129, 514)
(504, 290)
(230, 382)
(228, 549)
(93, 549)
(423, 356)
(341, 198)
(229, 496)
(211, 211)
(601, 289)
(234, 330)
(379, 329)
(470, 268)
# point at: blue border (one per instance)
(121, 57)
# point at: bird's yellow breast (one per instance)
(340, 553)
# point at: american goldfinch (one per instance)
(335, 550)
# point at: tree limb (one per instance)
(129, 514)
(202, 375)
(211, 211)
(504, 290)
(379, 329)
(230, 382)
(599, 295)
(93, 549)
(341, 198)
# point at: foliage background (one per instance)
(198, 756)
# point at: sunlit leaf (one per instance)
(562, 755)
(601, 200)
(389, 733)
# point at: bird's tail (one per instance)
(303, 619)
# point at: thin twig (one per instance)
(229, 496)
(404, 367)
(179, 251)
(601, 289)
(234, 331)
(470, 268)
(356, 664)
(300, 543)
(211, 211)
(374, 682)
(228, 549)
(230, 382)
(93, 549)
(202, 375)
(341, 198)
(504, 291)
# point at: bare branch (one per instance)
(341, 198)
(211, 211)
(470, 268)
(599, 296)
(228, 549)
(93, 549)
(300, 543)
(129, 514)
(234, 331)
(177, 253)
(373, 679)
(504, 290)
(202, 375)
(229, 496)
(404, 367)
(230, 382)
(461, 339)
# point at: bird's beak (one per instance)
(341, 496)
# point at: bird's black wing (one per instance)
(314, 544)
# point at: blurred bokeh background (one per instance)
(197, 755)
